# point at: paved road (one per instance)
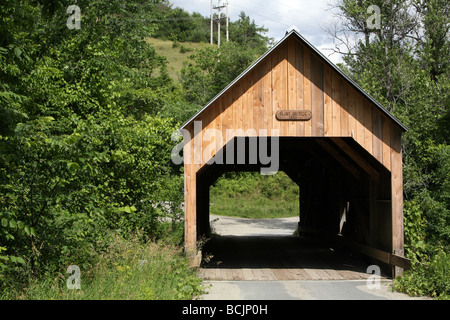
(232, 226)
(291, 289)
(301, 290)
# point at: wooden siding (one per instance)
(295, 78)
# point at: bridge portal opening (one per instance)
(332, 202)
(300, 114)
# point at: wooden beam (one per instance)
(355, 173)
(339, 158)
(377, 254)
(366, 166)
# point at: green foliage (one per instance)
(179, 25)
(251, 195)
(86, 118)
(405, 66)
(212, 69)
(414, 225)
(126, 270)
(68, 190)
(83, 153)
(430, 279)
(245, 33)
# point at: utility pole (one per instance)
(219, 7)
(212, 22)
(228, 35)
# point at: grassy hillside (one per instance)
(251, 195)
(176, 53)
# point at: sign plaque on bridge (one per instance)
(293, 115)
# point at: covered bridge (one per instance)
(293, 110)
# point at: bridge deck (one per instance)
(279, 258)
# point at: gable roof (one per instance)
(294, 32)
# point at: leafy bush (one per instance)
(83, 154)
(63, 193)
(255, 196)
(431, 279)
(414, 226)
(126, 270)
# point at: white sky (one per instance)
(309, 16)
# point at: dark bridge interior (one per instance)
(344, 194)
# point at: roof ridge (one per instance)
(294, 30)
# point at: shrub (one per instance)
(127, 270)
(431, 279)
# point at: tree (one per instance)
(386, 49)
(435, 44)
(404, 65)
(212, 69)
(83, 152)
(245, 32)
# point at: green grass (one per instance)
(127, 270)
(176, 54)
(253, 196)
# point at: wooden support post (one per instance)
(397, 197)
(190, 199)
(190, 213)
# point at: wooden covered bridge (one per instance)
(294, 111)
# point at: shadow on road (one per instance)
(278, 252)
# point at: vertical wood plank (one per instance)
(292, 85)
(251, 100)
(368, 126)
(218, 122)
(344, 109)
(386, 134)
(351, 96)
(336, 107)
(190, 170)
(227, 119)
(277, 95)
(283, 94)
(307, 89)
(328, 95)
(241, 104)
(300, 86)
(208, 143)
(377, 135)
(247, 105)
(397, 195)
(359, 119)
(317, 97)
(268, 110)
(258, 99)
(190, 210)
(234, 107)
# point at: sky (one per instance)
(311, 17)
